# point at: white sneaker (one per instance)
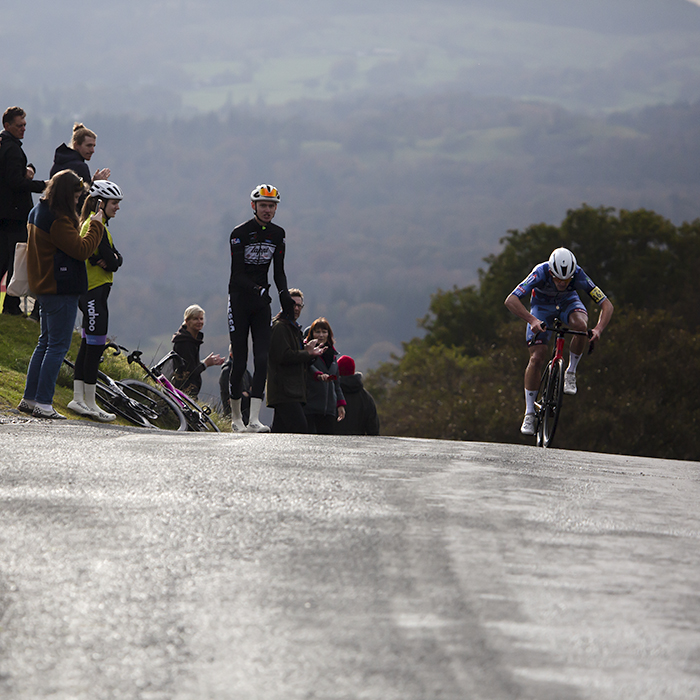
(257, 427)
(26, 406)
(80, 407)
(569, 383)
(40, 412)
(529, 424)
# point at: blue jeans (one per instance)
(57, 313)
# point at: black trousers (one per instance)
(289, 418)
(242, 320)
(11, 233)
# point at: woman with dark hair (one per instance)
(325, 403)
(103, 199)
(56, 255)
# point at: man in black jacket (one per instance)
(16, 186)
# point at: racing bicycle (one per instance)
(550, 395)
(196, 416)
(137, 402)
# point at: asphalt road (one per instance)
(154, 565)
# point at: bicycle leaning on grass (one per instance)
(550, 395)
(137, 402)
(196, 416)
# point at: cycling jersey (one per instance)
(253, 247)
(540, 285)
(548, 303)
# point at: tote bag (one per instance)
(19, 284)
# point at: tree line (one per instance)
(639, 392)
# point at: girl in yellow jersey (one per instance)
(104, 196)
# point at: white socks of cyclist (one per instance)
(573, 362)
(78, 391)
(254, 424)
(237, 424)
(530, 397)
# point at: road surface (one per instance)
(176, 566)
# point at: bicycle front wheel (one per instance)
(554, 393)
(197, 418)
(162, 412)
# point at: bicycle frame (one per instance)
(549, 400)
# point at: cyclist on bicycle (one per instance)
(255, 244)
(553, 288)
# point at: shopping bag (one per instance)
(19, 284)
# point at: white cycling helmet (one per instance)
(265, 193)
(106, 190)
(562, 263)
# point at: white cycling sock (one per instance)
(236, 416)
(79, 391)
(573, 362)
(530, 397)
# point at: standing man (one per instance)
(254, 245)
(16, 186)
(288, 365)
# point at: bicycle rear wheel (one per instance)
(112, 402)
(162, 412)
(552, 404)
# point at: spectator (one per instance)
(287, 365)
(360, 410)
(103, 198)
(255, 244)
(16, 186)
(186, 344)
(55, 243)
(82, 147)
(225, 389)
(325, 404)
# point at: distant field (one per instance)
(473, 52)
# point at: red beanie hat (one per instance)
(346, 366)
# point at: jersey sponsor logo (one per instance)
(597, 294)
(259, 253)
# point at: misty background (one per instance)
(406, 139)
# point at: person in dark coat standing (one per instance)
(360, 410)
(288, 360)
(186, 343)
(16, 186)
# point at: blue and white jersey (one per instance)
(540, 285)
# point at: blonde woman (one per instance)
(186, 343)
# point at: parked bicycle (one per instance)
(550, 395)
(196, 416)
(137, 402)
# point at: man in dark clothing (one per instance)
(287, 366)
(255, 245)
(360, 410)
(16, 186)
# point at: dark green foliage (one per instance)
(639, 392)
